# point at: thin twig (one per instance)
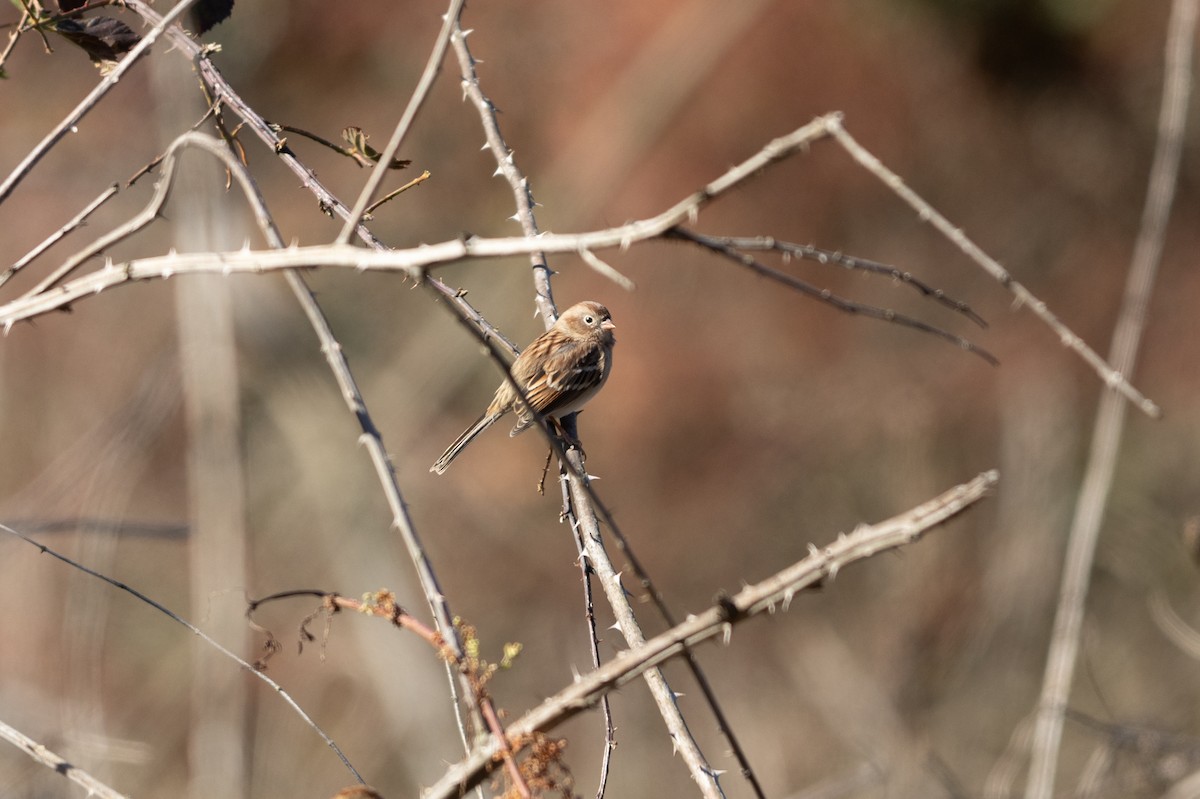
(276, 687)
(772, 594)
(383, 605)
(1110, 416)
(1114, 378)
(579, 498)
(825, 295)
(417, 181)
(360, 157)
(371, 438)
(71, 122)
(432, 67)
(58, 235)
(821, 256)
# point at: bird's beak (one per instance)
(607, 325)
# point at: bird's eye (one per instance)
(591, 320)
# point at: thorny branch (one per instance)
(774, 593)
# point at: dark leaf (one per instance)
(70, 5)
(104, 39)
(208, 13)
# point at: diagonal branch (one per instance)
(825, 295)
(51, 760)
(1112, 378)
(428, 76)
(71, 122)
(774, 593)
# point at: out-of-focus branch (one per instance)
(1110, 416)
(774, 593)
(371, 438)
(276, 687)
(50, 760)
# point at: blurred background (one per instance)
(742, 422)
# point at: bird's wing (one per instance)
(570, 372)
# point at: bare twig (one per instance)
(363, 156)
(1110, 416)
(55, 237)
(579, 498)
(772, 594)
(811, 253)
(49, 759)
(382, 604)
(1113, 378)
(276, 687)
(71, 122)
(417, 181)
(415, 101)
(825, 295)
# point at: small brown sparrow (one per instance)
(559, 371)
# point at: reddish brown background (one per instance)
(742, 422)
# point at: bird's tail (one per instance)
(483, 423)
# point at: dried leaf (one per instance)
(366, 155)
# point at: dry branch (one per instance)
(775, 592)
(1110, 416)
(53, 761)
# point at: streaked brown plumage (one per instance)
(559, 371)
